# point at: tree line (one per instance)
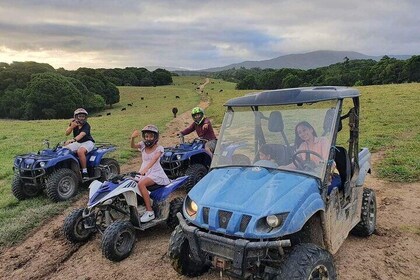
(348, 73)
(31, 90)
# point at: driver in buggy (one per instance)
(311, 150)
(202, 126)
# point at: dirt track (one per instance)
(393, 252)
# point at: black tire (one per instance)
(118, 241)
(307, 261)
(22, 191)
(62, 184)
(74, 229)
(112, 168)
(195, 172)
(180, 256)
(367, 224)
(175, 207)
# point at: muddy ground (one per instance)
(393, 252)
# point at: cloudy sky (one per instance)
(200, 34)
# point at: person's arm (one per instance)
(188, 130)
(134, 135)
(72, 125)
(155, 158)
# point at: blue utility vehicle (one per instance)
(280, 218)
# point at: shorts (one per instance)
(211, 145)
(88, 145)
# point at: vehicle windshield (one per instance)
(288, 137)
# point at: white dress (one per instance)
(156, 172)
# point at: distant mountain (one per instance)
(168, 68)
(303, 61)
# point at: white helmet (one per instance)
(153, 129)
(80, 111)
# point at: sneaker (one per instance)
(85, 175)
(147, 216)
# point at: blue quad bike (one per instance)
(187, 159)
(192, 159)
(280, 218)
(57, 171)
(114, 209)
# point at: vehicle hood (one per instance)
(257, 192)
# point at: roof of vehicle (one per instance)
(293, 96)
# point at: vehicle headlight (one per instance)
(178, 157)
(191, 207)
(273, 221)
(18, 161)
(42, 164)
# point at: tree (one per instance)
(50, 95)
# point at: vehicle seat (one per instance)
(329, 120)
(279, 153)
(342, 162)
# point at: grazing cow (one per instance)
(142, 98)
(123, 109)
(177, 97)
(146, 106)
(174, 111)
(108, 114)
(130, 104)
(221, 90)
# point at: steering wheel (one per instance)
(305, 164)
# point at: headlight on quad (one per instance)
(191, 207)
(178, 157)
(272, 221)
(42, 164)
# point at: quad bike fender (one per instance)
(364, 166)
(94, 158)
(127, 188)
(94, 186)
(162, 193)
(70, 158)
(299, 216)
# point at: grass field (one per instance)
(389, 124)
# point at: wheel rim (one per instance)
(124, 242)
(320, 272)
(80, 229)
(66, 187)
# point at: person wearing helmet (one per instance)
(203, 127)
(82, 142)
(151, 172)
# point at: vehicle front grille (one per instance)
(244, 222)
(224, 218)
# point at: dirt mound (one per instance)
(393, 252)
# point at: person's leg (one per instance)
(149, 214)
(143, 184)
(81, 153)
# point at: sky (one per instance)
(200, 34)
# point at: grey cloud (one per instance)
(199, 34)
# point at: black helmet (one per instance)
(153, 129)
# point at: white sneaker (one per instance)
(147, 216)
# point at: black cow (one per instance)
(174, 111)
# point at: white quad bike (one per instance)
(114, 209)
